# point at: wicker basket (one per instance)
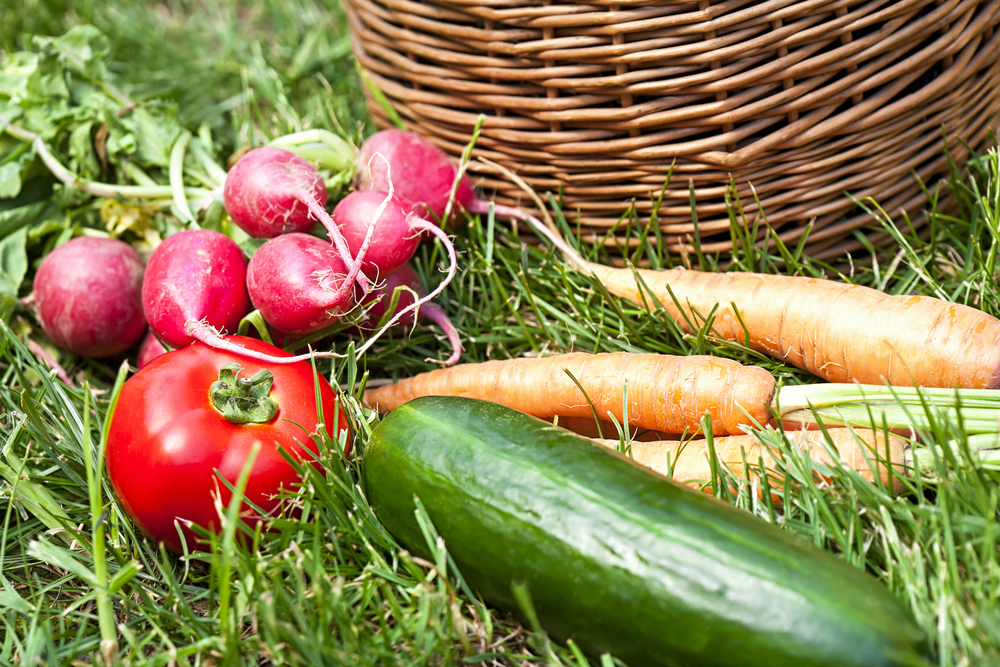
(797, 102)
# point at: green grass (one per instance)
(330, 586)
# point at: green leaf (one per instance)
(156, 134)
(251, 245)
(84, 47)
(121, 143)
(8, 293)
(213, 217)
(81, 149)
(14, 256)
(10, 179)
(14, 219)
(28, 78)
(13, 261)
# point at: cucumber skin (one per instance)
(619, 559)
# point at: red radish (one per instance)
(297, 282)
(420, 171)
(396, 236)
(272, 191)
(290, 266)
(150, 349)
(199, 275)
(301, 285)
(88, 293)
(381, 298)
(424, 174)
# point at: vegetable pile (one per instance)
(273, 285)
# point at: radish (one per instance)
(297, 282)
(396, 236)
(423, 174)
(88, 295)
(394, 240)
(150, 349)
(381, 298)
(300, 285)
(272, 191)
(418, 170)
(195, 275)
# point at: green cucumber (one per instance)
(617, 558)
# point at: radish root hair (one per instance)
(355, 270)
(423, 225)
(547, 231)
(436, 314)
(51, 362)
(204, 332)
(338, 240)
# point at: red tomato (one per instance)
(167, 438)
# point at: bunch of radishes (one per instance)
(93, 298)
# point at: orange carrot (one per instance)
(671, 395)
(665, 393)
(839, 332)
(688, 461)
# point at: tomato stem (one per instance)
(243, 400)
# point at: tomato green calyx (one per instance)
(243, 400)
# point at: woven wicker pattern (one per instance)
(800, 100)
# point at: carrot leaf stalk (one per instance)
(896, 407)
(981, 451)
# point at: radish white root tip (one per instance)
(436, 314)
(207, 334)
(553, 237)
(548, 231)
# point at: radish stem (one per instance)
(321, 146)
(337, 238)
(481, 207)
(215, 172)
(177, 178)
(92, 187)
